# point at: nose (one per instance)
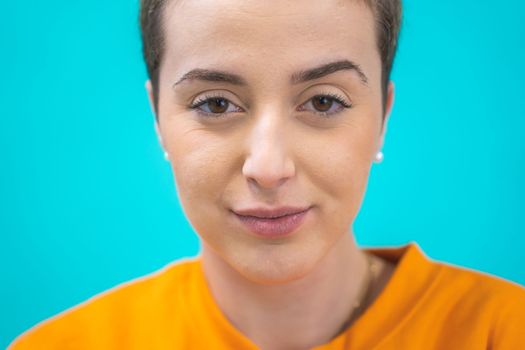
(268, 163)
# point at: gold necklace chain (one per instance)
(364, 292)
(371, 269)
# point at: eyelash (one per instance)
(206, 98)
(335, 98)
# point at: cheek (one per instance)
(338, 164)
(201, 165)
(341, 159)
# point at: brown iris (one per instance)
(218, 105)
(322, 103)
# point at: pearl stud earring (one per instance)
(379, 157)
(166, 156)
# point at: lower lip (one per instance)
(275, 227)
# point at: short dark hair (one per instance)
(386, 12)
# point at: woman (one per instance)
(271, 115)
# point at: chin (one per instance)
(276, 264)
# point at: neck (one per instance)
(300, 314)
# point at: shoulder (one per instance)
(130, 305)
(491, 305)
(479, 287)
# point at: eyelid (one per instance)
(204, 97)
(336, 97)
(207, 95)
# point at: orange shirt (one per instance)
(425, 305)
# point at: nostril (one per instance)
(267, 183)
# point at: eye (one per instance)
(325, 104)
(214, 105)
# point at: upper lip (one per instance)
(270, 212)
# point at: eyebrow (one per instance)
(296, 78)
(326, 69)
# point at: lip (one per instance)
(272, 222)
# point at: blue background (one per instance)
(87, 200)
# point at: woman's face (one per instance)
(249, 121)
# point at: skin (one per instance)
(272, 148)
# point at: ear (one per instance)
(388, 109)
(149, 90)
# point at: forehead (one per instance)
(275, 35)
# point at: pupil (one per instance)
(322, 103)
(218, 105)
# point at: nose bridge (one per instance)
(267, 127)
(268, 160)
